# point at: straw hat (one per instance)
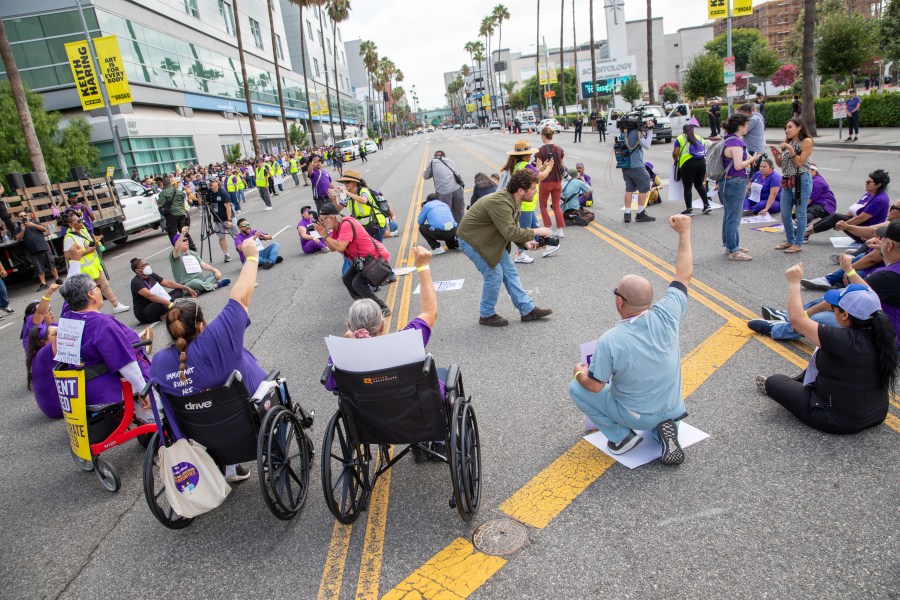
(350, 175)
(522, 147)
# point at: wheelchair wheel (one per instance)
(106, 474)
(283, 462)
(155, 490)
(84, 465)
(465, 459)
(345, 472)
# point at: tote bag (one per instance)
(194, 484)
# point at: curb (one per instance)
(843, 144)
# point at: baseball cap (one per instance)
(813, 167)
(856, 300)
(328, 209)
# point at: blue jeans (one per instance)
(527, 219)
(837, 277)
(269, 254)
(505, 272)
(235, 201)
(790, 204)
(4, 295)
(731, 193)
(614, 420)
(783, 331)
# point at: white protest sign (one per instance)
(191, 265)
(160, 292)
(68, 341)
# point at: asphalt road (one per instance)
(765, 507)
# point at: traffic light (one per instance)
(506, 106)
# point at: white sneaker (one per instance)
(438, 250)
(560, 233)
(120, 308)
(550, 250)
(523, 258)
(268, 208)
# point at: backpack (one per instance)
(622, 152)
(715, 167)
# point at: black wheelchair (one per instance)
(235, 428)
(401, 405)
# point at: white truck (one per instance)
(667, 126)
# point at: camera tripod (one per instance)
(207, 231)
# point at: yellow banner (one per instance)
(70, 387)
(718, 9)
(742, 8)
(389, 118)
(113, 70)
(486, 101)
(314, 108)
(323, 107)
(86, 81)
(470, 107)
(110, 171)
(543, 77)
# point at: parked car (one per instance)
(429, 130)
(457, 126)
(551, 123)
(495, 125)
(349, 146)
(470, 126)
(139, 206)
(372, 147)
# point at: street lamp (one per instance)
(237, 115)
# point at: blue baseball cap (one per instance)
(856, 300)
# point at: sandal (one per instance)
(794, 249)
(783, 246)
(738, 255)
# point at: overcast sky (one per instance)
(425, 38)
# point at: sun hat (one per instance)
(350, 175)
(522, 147)
(856, 300)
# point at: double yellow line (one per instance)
(373, 543)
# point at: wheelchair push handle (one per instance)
(142, 344)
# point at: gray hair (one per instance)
(365, 314)
(75, 291)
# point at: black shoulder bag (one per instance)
(375, 270)
(459, 180)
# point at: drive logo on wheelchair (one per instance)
(198, 405)
(379, 379)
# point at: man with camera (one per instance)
(171, 204)
(219, 204)
(636, 133)
(485, 234)
(447, 183)
(32, 233)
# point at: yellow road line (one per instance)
(892, 422)
(451, 574)
(373, 546)
(333, 574)
(704, 360)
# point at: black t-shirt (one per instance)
(887, 285)
(553, 151)
(303, 163)
(217, 200)
(140, 303)
(714, 112)
(847, 383)
(34, 241)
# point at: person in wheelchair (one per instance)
(203, 355)
(106, 348)
(366, 320)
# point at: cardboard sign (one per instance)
(70, 386)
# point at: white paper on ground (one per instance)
(758, 219)
(404, 271)
(843, 242)
(676, 189)
(372, 354)
(443, 286)
(648, 450)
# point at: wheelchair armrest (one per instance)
(142, 344)
(325, 374)
(234, 375)
(452, 378)
(273, 375)
(428, 365)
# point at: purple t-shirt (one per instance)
(773, 180)
(321, 181)
(240, 238)
(43, 383)
(417, 323)
(877, 206)
(852, 103)
(211, 357)
(309, 246)
(106, 340)
(822, 195)
(733, 141)
(29, 324)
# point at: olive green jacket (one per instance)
(177, 199)
(491, 224)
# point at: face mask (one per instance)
(148, 271)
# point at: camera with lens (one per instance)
(311, 228)
(637, 119)
(550, 240)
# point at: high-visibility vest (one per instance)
(262, 179)
(90, 263)
(363, 212)
(531, 204)
(293, 165)
(231, 183)
(278, 169)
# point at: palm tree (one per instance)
(18, 94)
(500, 14)
(537, 46)
(387, 68)
(562, 64)
(470, 48)
(575, 49)
(593, 60)
(398, 77)
(338, 12)
(479, 57)
(378, 85)
(809, 39)
(487, 30)
(237, 33)
(649, 52)
(321, 9)
(287, 137)
(369, 54)
(301, 4)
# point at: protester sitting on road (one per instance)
(821, 199)
(203, 355)
(436, 224)
(363, 204)
(188, 268)
(347, 236)
(149, 297)
(634, 377)
(587, 198)
(844, 389)
(871, 208)
(106, 348)
(656, 185)
(861, 263)
(765, 190)
(309, 243)
(38, 314)
(484, 185)
(39, 364)
(367, 321)
(268, 255)
(572, 192)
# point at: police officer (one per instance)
(262, 181)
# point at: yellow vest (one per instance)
(293, 165)
(90, 263)
(278, 169)
(231, 183)
(685, 154)
(532, 204)
(363, 212)
(262, 179)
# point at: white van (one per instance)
(349, 146)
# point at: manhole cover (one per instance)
(500, 537)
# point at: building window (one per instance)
(328, 44)
(316, 66)
(343, 58)
(278, 45)
(257, 34)
(190, 7)
(227, 13)
(309, 29)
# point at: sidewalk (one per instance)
(872, 138)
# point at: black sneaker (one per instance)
(628, 217)
(240, 473)
(707, 209)
(7, 309)
(773, 314)
(672, 454)
(267, 265)
(688, 213)
(420, 455)
(58, 282)
(42, 287)
(643, 217)
(761, 326)
(631, 440)
(279, 260)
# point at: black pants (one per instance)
(359, 287)
(577, 135)
(154, 311)
(602, 134)
(804, 403)
(713, 127)
(272, 186)
(362, 157)
(830, 221)
(853, 124)
(174, 225)
(320, 200)
(815, 211)
(693, 175)
(432, 236)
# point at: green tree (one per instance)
(703, 77)
(743, 40)
(631, 91)
(62, 149)
(763, 63)
(532, 93)
(844, 43)
(889, 33)
(669, 94)
(233, 154)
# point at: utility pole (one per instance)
(728, 51)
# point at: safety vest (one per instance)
(293, 165)
(262, 179)
(683, 144)
(532, 204)
(278, 169)
(89, 263)
(363, 212)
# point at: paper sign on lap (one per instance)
(160, 292)
(648, 450)
(758, 219)
(68, 341)
(372, 354)
(191, 265)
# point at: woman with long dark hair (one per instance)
(793, 156)
(846, 386)
(689, 155)
(39, 363)
(871, 209)
(734, 184)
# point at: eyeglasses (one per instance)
(893, 207)
(244, 226)
(616, 293)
